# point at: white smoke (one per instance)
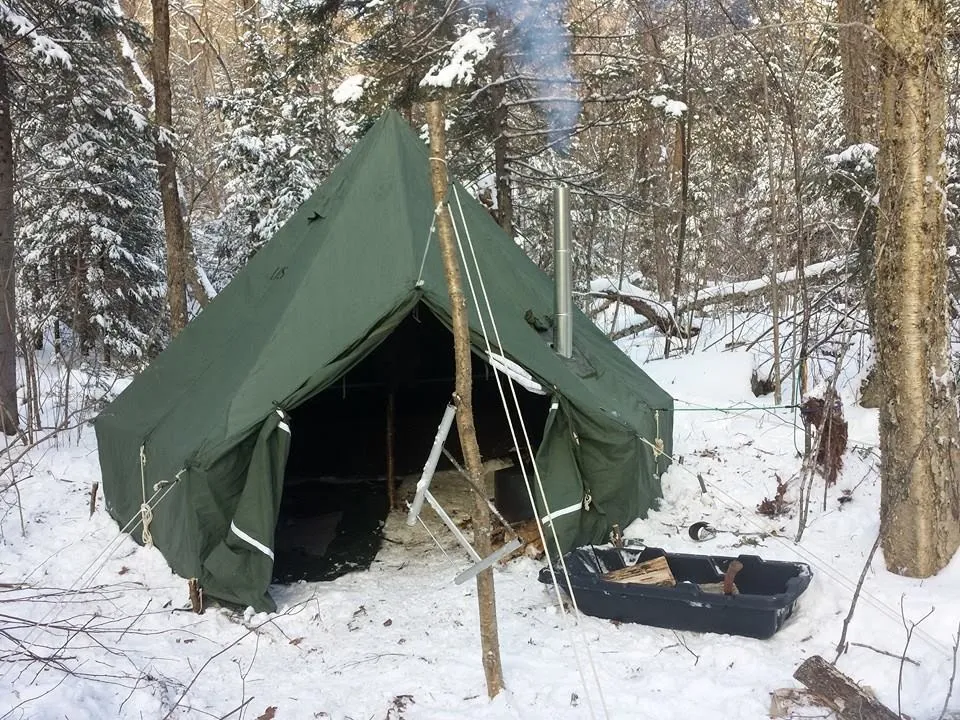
(539, 33)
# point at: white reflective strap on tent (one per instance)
(561, 512)
(283, 421)
(256, 543)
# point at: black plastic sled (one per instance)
(767, 591)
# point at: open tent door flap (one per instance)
(423, 493)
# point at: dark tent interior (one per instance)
(335, 499)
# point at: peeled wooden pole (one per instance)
(489, 639)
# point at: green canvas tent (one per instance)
(205, 432)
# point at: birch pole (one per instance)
(486, 598)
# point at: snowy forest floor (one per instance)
(401, 640)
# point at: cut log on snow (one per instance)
(838, 692)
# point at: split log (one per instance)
(840, 693)
(732, 569)
(652, 572)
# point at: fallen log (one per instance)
(838, 692)
(727, 293)
(664, 323)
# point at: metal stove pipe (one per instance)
(562, 273)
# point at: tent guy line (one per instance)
(529, 445)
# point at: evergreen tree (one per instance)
(280, 135)
(89, 231)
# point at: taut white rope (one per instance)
(426, 248)
(529, 447)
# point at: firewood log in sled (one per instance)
(726, 586)
(651, 572)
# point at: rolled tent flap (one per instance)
(240, 567)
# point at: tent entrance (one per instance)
(335, 503)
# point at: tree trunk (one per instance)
(489, 640)
(145, 96)
(803, 348)
(775, 234)
(858, 63)
(919, 429)
(497, 96)
(683, 138)
(192, 269)
(9, 413)
(169, 193)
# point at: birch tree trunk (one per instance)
(9, 413)
(489, 639)
(919, 430)
(174, 227)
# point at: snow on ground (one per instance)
(401, 640)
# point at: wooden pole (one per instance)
(391, 471)
(489, 639)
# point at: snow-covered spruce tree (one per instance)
(89, 232)
(281, 134)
